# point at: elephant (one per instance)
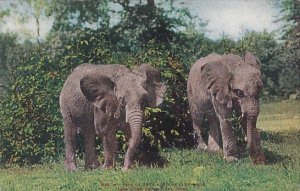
(218, 85)
(98, 100)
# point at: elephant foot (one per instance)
(231, 158)
(127, 166)
(107, 166)
(71, 166)
(92, 165)
(201, 147)
(125, 169)
(214, 148)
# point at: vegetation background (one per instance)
(32, 73)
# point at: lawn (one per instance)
(187, 169)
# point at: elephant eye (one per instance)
(239, 93)
(145, 102)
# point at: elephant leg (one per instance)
(198, 129)
(255, 151)
(229, 143)
(214, 138)
(110, 149)
(224, 115)
(70, 143)
(89, 135)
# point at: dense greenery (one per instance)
(161, 35)
(7, 45)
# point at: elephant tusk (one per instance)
(229, 119)
(241, 117)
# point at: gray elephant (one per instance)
(99, 100)
(217, 85)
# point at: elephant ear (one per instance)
(217, 80)
(156, 89)
(95, 88)
(252, 60)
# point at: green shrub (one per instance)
(31, 126)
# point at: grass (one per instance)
(186, 169)
(280, 116)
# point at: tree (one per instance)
(8, 42)
(142, 23)
(75, 15)
(291, 17)
(290, 78)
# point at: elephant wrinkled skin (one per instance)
(217, 85)
(99, 100)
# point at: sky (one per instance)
(230, 17)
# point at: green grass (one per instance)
(280, 116)
(186, 169)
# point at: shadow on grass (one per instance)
(286, 138)
(271, 156)
(292, 137)
(152, 159)
(275, 158)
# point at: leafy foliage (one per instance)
(291, 16)
(8, 43)
(31, 124)
(77, 15)
(289, 78)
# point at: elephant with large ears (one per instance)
(217, 86)
(99, 100)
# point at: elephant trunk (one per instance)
(250, 112)
(135, 119)
(251, 126)
(253, 139)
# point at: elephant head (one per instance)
(136, 90)
(139, 88)
(132, 90)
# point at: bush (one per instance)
(31, 126)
